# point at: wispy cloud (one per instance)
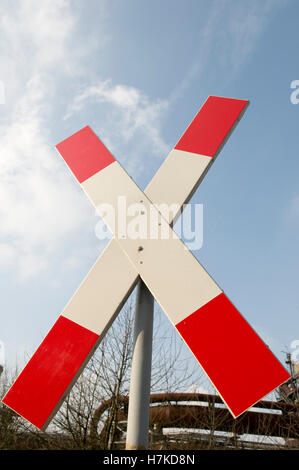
(130, 116)
(291, 214)
(226, 40)
(294, 208)
(245, 22)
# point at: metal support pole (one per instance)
(138, 413)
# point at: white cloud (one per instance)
(40, 205)
(43, 28)
(35, 37)
(7, 253)
(131, 115)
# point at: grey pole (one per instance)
(138, 413)
(2, 359)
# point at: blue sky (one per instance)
(137, 72)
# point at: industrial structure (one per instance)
(289, 391)
(193, 420)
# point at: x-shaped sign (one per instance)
(241, 367)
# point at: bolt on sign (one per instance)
(197, 307)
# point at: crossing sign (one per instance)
(239, 364)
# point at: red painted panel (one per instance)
(211, 126)
(85, 154)
(240, 365)
(40, 386)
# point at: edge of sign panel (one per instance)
(204, 319)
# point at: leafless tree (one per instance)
(106, 379)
